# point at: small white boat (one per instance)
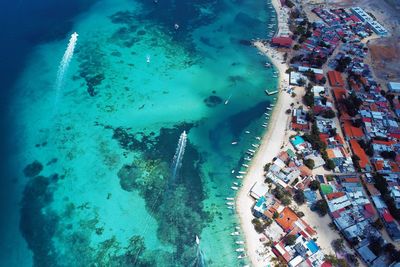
(235, 183)
(197, 240)
(255, 145)
(247, 132)
(230, 198)
(251, 150)
(264, 125)
(240, 249)
(242, 256)
(239, 242)
(230, 203)
(176, 26)
(258, 138)
(245, 165)
(272, 105)
(148, 59)
(242, 172)
(233, 171)
(235, 187)
(234, 143)
(250, 153)
(230, 207)
(275, 76)
(269, 108)
(239, 176)
(237, 227)
(235, 233)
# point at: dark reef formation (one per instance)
(213, 101)
(176, 205)
(33, 169)
(91, 66)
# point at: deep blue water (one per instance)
(25, 24)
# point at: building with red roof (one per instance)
(351, 131)
(282, 41)
(360, 152)
(335, 78)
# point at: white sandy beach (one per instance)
(269, 148)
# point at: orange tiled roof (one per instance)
(334, 195)
(359, 151)
(335, 78)
(351, 131)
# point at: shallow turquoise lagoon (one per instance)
(141, 74)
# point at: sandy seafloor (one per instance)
(106, 139)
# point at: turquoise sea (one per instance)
(91, 159)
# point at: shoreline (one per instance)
(269, 147)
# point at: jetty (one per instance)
(271, 92)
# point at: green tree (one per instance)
(299, 197)
(290, 239)
(314, 185)
(309, 163)
(321, 207)
(338, 245)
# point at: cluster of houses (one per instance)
(292, 237)
(288, 171)
(363, 139)
(353, 215)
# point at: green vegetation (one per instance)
(309, 163)
(314, 185)
(290, 240)
(299, 197)
(335, 261)
(260, 225)
(382, 185)
(321, 207)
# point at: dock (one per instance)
(271, 93)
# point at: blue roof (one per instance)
(260, 201)
(297, 140)
(312, 246)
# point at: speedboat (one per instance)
(235, 183)
(239, 242)
(235, 187)
(230, 207)
(247, 132)
(245, 165)
(242, 256)
(234, 143)
(251, 150)
(242, 172)
(230, 198)
(233, 171)
(240, 249)
(239, 176)
(176, 26)
(197, 240)
(148, 59)
(235, 233)
(230, 203)
(258, 138)
(255, 145)
(268, 108)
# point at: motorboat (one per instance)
(148, 59)
(235, 183)
(233, 171)
(242, 172)
(176, 26)
(239, 176)
(230, 203)
(234, 143)
(230, 198)
(235, 187)
(242, 256)
(255, 145)
(239, 242)
(245, 165)
(235, 233)
(240, 249)
(247, 132)
(258, 138)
